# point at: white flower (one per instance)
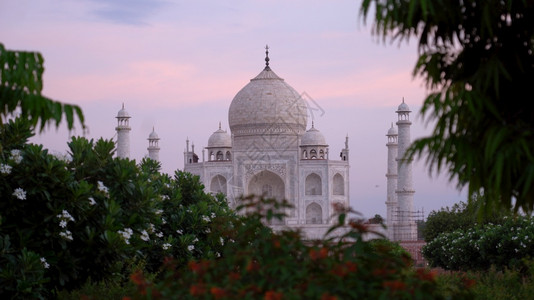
(179, 231)
(5, 169)
(44, 263)
(195, 240)
(144, 236)
(166, 246)
(102, 187)
(20, 193)
(16, 156)
(208, 230)
(63, 224)
(206, 218)
(159, 234)
(159, 211)
(213, 215)
(217, 254)
(66, 216)
(126, 234)
(222, 240)
(191, 247)
(163, 221)
(66, 235)
(92, 201)
(151, 228)
(165, 197)
(167, 185)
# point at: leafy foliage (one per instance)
(480, 247)
(461, 216)
(477, 59)
(21, 84)
(89, 215)
(257, 263)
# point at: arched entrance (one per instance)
(218, 184)
(269, 185)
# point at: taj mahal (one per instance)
(275, 151)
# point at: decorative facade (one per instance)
(269, 152)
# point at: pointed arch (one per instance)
(338, 184)
(313, 185)
(218, 184)
(314, 214)
(269, 185)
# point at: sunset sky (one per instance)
(176, 65)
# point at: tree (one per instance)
(477, 60)
(21, 84)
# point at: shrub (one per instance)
(89, 214)
(257, 263)
(480, 247)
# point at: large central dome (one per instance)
(267, 105)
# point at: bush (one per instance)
(480, 247)
(460, 216)
(88, 214)
(257, 263)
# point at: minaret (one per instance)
(153, 146)
(345, 152)
(391, 175)
(189, 156)
(406, 225)
(123, 133)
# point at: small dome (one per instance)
(153, 135)
(220, 139)
(313, 137)
(403, 107)
(392, 130)
(123, 113)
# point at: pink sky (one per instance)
(178, 64)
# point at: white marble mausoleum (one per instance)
(273, 150)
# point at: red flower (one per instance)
(426, 275)
(276, 243)
(383, 272)
(273, 295)
(253, 266)
(359, 226)
(318, 254)
(197, 289)
(217, 292)
(138, 278)
(468, 283)
(327, 296)
(351, 266)
(394, 285)
(199, 267)
(234, 276)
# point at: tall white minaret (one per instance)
(391, 175)
(153, 145)
(407, 229)
(123, 133)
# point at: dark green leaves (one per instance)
(21, 84)
(477, 59)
